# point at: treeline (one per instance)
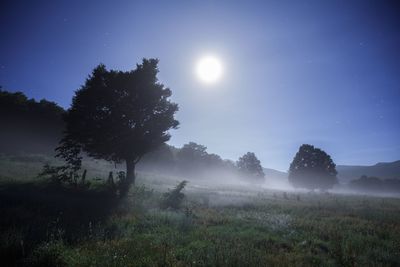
(36, 127)
(192, 157)
(193, 160)
(375, 184)
(28, 125)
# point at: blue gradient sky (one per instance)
(319, 72)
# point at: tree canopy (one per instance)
(312, 168)
(249, 165)
(119, 116)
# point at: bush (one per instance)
(64, 175)
(173, 199)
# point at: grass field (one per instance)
(219, 225)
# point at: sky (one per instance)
(325, 73)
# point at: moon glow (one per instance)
(209, 69)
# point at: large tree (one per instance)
(249, 165)
(312, 168)
(119, 116)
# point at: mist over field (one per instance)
(189, 203)
(199, 133)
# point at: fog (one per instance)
(31, 131)
(225, 188)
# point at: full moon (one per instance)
(209, 69)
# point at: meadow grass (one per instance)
(47, 225)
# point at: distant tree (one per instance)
(193, 158)
(375, 184)
(213, 161)
(119, 116)
(312, 168)
(249, 165)
(366, 183)
(192, 152)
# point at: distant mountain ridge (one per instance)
(383, 170)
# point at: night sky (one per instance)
(320, 72)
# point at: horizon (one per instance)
(264, 167)
(327, 74)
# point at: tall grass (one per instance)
(44, 225)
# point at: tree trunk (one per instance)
(129, 179)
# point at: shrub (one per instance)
(173, 199)
(64, 175)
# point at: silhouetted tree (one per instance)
(249, 165)
(312, 168)
(119, 116)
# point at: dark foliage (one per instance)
(119, 116)
(28, 125)
(250, 166)
(173, 199)
(65, 175)
(45, 212)
(312, 168)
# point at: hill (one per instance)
(383, 170)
